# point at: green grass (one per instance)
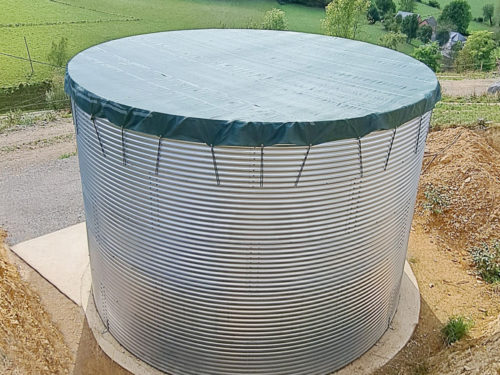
(436, 199)
(17, 118)
(451, 76)
(476, 10)
(475, 5)
(470, 111)
(134, 17)
(456, 328)
(486, 258)
(89, 22)
(67, 155)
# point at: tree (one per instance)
(458, 13)
(488, 11)
(58, 54)
(372, 16)
(342, 17)
(275, 19)
(407, 5)
(429, 54)
(478, 53)
(409, 26)
(424, 33)
(443, 32)
(385, 6)
(392, 40)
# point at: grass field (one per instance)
(88, 22)
(470, 111)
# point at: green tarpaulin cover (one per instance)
(250, 87)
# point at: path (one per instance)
(466, 87)
(40, 192)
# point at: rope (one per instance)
(261, 165)
(157, 167)
(123, 148)
(360, 158)
(418, 134)
(390, 149)
(98, 136)
(215, 165)
(302, 166)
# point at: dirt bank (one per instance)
(463, 167)
(29, 342)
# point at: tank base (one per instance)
(61, 258)
(394, 339)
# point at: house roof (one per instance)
(431, 21)
(456, 37)
(405, 14)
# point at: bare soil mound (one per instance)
(476, 357)
(466, 170)
(457, 208)
(29, 341)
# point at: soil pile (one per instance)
(479, 357)
(463, 170)
(29, 341)
(457, 208)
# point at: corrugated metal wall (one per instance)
(246, 268)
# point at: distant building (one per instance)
(406, 14)
(455, 37)
(431, 21)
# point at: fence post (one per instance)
(29, 56)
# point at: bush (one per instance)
(275, 19)
(385, 6)
(372, 16)
(478, 53)
(58, 54)
(436, 199)
(486, 258)
(424, 33)
(392, 40)
(455, 329)
(442, 35)
(55, 97)
(409, 26)
(434, 4)
(342, 17)
(479, 19)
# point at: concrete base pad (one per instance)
(62, 258)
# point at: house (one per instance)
(406, 14)
(431, 21)
(455, 37)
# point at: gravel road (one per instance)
(40, 189)
(466, 87)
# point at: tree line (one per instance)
(343, 17)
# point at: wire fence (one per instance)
(33, 96)
(31, 60)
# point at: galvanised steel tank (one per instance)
(248, 194)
